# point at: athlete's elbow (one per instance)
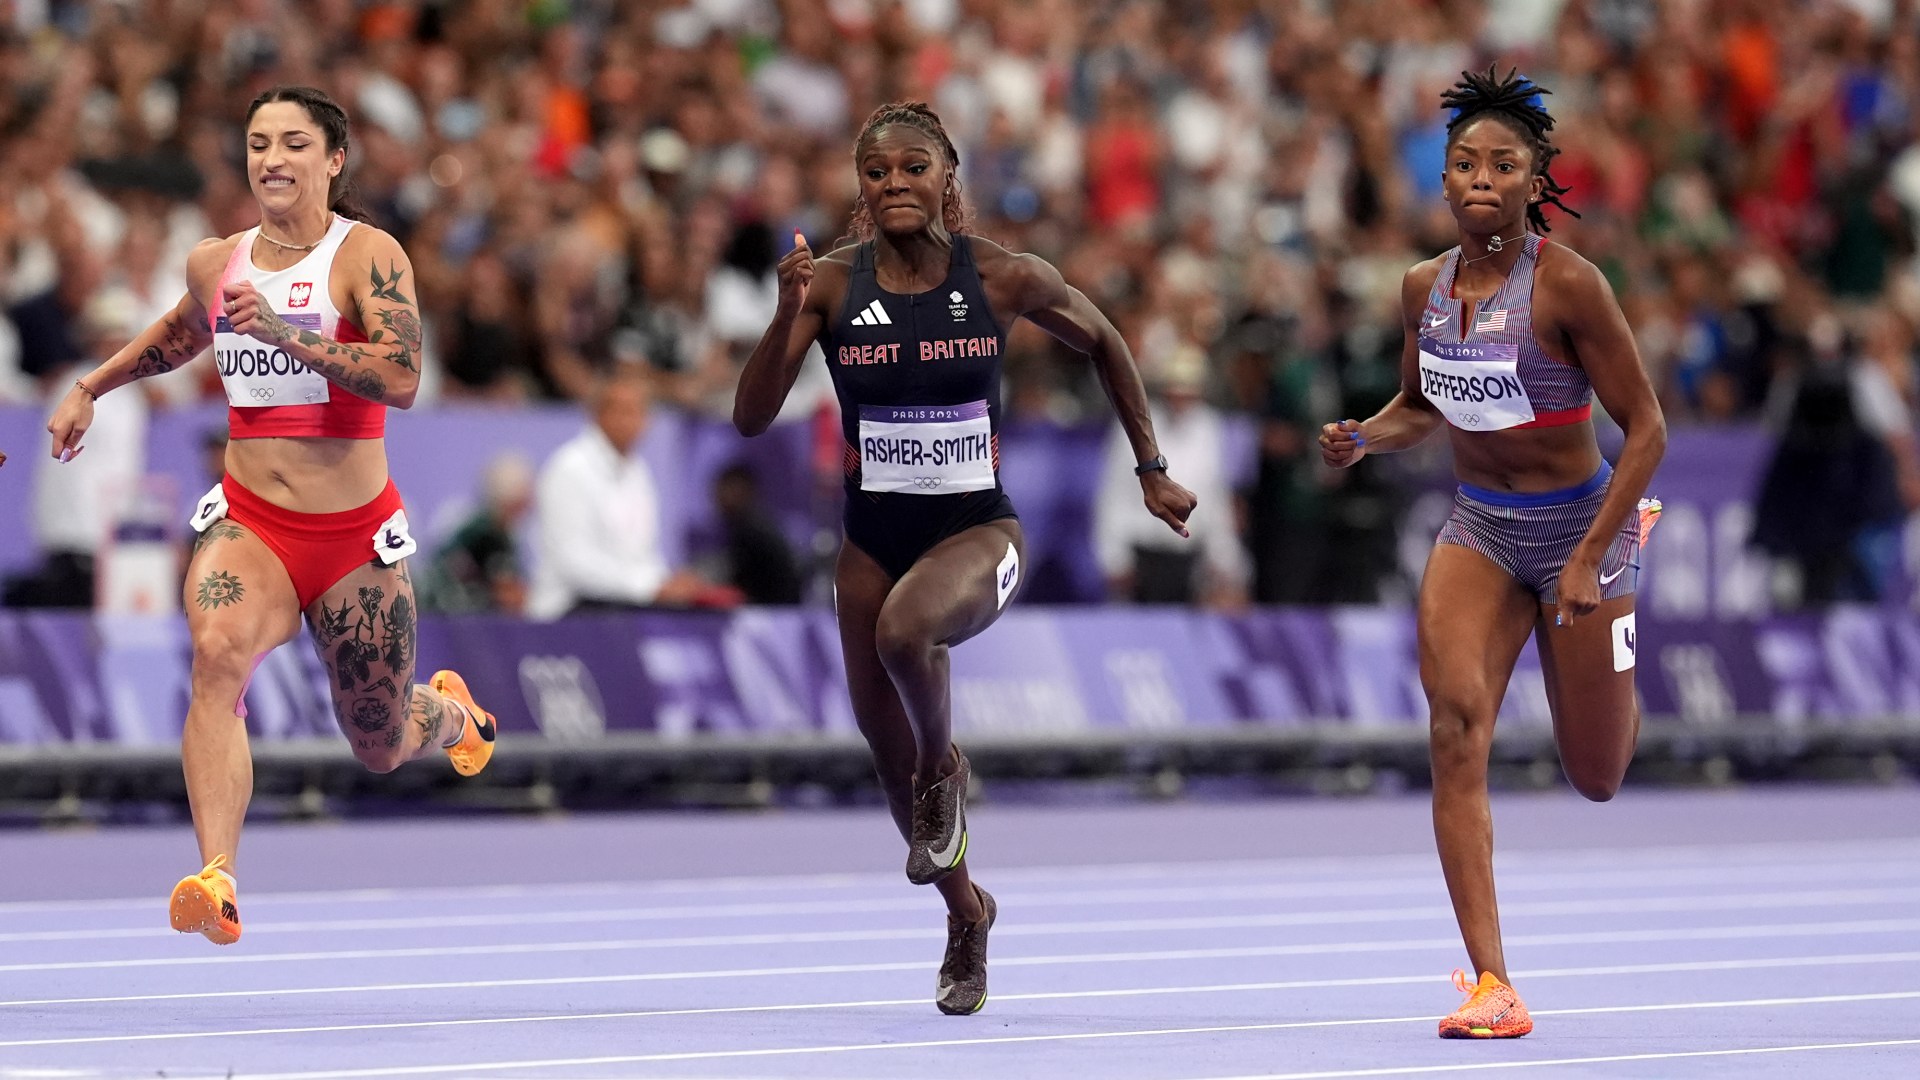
(402, 392)
(1650, 430)
(749, 422)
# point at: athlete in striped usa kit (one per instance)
(913, 320)
(1508, 340)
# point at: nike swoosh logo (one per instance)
(1607, 579)
(485, 728)
(1436, 323)
(945, 856)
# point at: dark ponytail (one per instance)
(333, 122)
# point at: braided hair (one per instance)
(1515, 100)
(955, 214)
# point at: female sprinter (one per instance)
(315, 330)
(1508, 338)
(913, 320)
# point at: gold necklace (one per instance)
(323, 237)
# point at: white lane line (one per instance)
(1808, 856)
(1415, 1070)
(1423, 885)
(930, 934)
(1339, 917)
(709, 1055)
(1839, 960)
(1767, 931)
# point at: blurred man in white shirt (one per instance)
(597, 515)
(1152, 564)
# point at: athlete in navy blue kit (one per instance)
(913, 320)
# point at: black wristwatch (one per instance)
(1158, 461)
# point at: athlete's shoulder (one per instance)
(990, 256)
(1017, 272)
(1419, 281)
(839, 260)
(365, 240)
(1424, 273)
(1565, 271)
(832, 276)
(208, 260)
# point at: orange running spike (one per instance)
(204, 904)
(1493, 1011)
(475, 748)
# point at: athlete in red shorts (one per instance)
(313, 324)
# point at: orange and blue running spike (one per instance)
(475, 748)
(1493, 1011)
(204, 904)
(1649, 513)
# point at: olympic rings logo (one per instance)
(927, 483)
(261, 393)
(1470, 419)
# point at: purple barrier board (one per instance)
(1698, 566)
(78, 678)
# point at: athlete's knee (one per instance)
(902, 640)
(223, 656)
(1459, 727)
(379, 757)
(373, 729)
(1595, 784)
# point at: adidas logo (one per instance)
(874, 315)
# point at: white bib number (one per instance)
(1476, 387)
(392, 541)
(926, 449)
(258, 373)
(212, 507)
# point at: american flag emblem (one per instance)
(1490, 322)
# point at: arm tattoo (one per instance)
(152, 362)
(276, 327)
(405, 326)
(326, 357)
(179, 348)
(388, 288)
(218, 589)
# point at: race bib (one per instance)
(392, 541)
(1476, 387)
(212, 507)
(926, 449)
(258, 373)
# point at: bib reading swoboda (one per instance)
(926, 449)
(260, 373)
(1476, 387)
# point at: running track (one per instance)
(1772, 932)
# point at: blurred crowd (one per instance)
(1240, 184)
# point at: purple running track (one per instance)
(1770, 932)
